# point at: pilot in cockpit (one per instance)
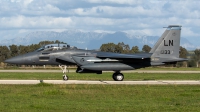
(53, 47)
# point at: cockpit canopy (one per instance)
(52, 47)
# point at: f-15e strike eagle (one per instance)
(165, 51)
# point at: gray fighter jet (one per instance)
(165, 51)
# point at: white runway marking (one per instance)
(159, 82)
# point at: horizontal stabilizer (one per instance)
(175, 60)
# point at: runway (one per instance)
(72, 71)
(149, 82)
(158, 82)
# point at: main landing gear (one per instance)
(64, 69)
(117, 76)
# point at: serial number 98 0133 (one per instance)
(165, 52)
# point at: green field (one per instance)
(74, 68)
(102, 98)
(104, 76)
(171, 68)
(110, 98)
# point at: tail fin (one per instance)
(169, 43)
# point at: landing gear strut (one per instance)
(64, 69)
(117, 76)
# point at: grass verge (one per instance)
(74, 68)
(104, 76)
(109, 98)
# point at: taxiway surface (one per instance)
(128, 71)
(158, 82)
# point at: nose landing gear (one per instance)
(65, 77)
(64, 69)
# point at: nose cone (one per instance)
(15, 60)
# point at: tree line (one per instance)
(14, 50)
(123, 48)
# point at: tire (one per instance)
(65, 78)
(118, 77)
(114, 76)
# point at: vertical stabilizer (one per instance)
(169, 43)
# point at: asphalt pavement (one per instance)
(158, 82)
(128, 71)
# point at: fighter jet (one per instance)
(165, 51)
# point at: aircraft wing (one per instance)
(123, 56)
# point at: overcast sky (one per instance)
(19, 17)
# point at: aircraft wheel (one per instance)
(65, 77)
(113, 76)
(118, 76)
